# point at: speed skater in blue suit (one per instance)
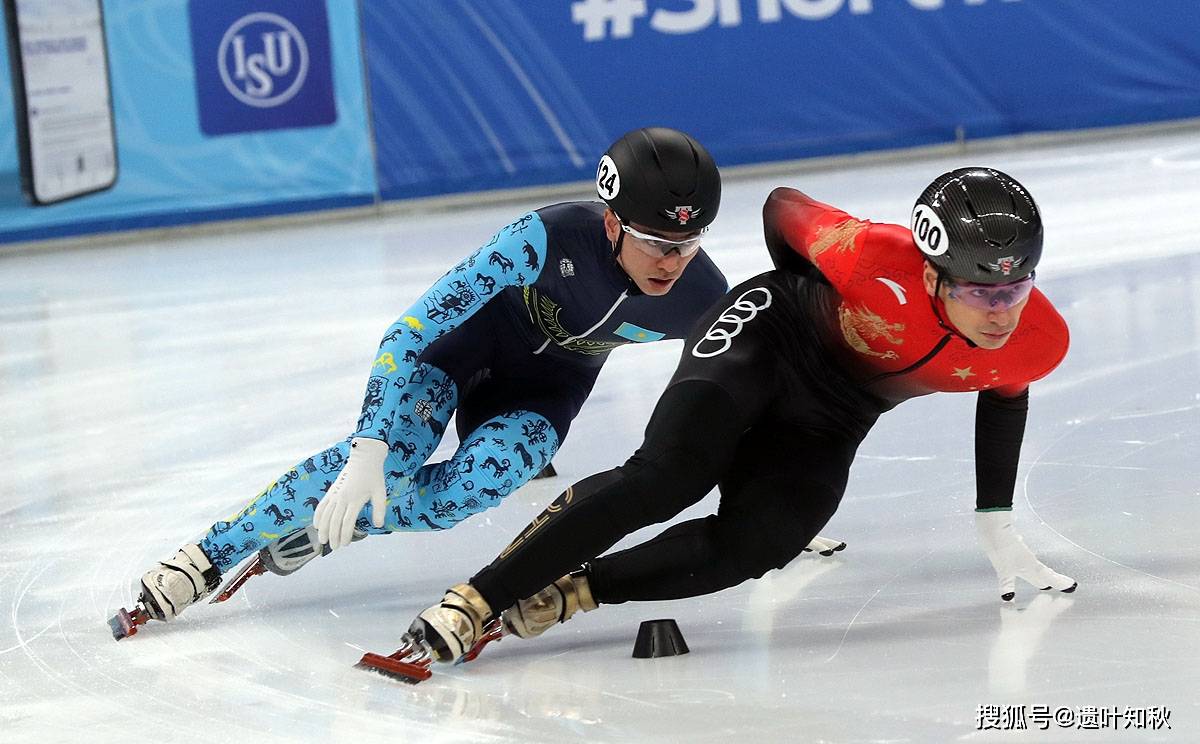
(510, 342)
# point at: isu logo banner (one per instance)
(261, 64)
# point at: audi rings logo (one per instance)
(719, 336)
(263, 60)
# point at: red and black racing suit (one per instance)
(778, 384)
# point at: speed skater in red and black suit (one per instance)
(777, 386)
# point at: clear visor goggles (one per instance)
(658, 247)
(996, 297)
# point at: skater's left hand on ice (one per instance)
(360, 481)
(824, 546)
(1012, 559)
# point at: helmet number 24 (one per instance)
(608, 181)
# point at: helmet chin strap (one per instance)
(634, 289)
(935, 302)
(616, 246)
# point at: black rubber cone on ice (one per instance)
(657, 638)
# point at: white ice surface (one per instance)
(149, 389)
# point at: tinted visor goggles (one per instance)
(996, 297)
(658, 247)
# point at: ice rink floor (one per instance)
(148, 389)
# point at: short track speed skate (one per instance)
(285, 556)
(125, 623)
(254, 567)
(410, 663)
(455, 630)
(167, 590)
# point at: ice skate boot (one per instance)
(447, 632)
(284, 556)
(167, 590)
(451, 628)
(555, 604)
(533, 616)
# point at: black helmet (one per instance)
(978, 225)
(660, 178)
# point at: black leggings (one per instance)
(754, 409)
(779, 486)
(780, 490)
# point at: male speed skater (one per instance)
(777, 386)
(511, 339)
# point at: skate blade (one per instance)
(409, 673)
(124, 624)
(493, 631)
(249, 571)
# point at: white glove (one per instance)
(360, 481)
(1012, 559)
(824, 546)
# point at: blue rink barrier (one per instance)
(188, 148)
(472, 95)
(487, 94)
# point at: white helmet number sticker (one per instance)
(608, 181)
(928, 231)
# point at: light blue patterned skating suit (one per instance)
(512, 338)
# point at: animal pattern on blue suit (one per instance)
(408, 404)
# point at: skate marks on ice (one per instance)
(899, 637)
(248, 672)
(1128, 447)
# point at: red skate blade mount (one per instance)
(493, 631)
(124, 624)
(251, 569)
(395, 667)
(410, 664)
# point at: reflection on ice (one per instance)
(147, 390)
(1020, 641)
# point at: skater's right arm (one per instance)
(503, 262)
(803, 234)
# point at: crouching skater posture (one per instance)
(777, 386)
(512, 338)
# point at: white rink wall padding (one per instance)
(148, 389)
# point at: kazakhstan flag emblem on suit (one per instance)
(637, 333)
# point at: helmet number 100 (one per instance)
(928, 231)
